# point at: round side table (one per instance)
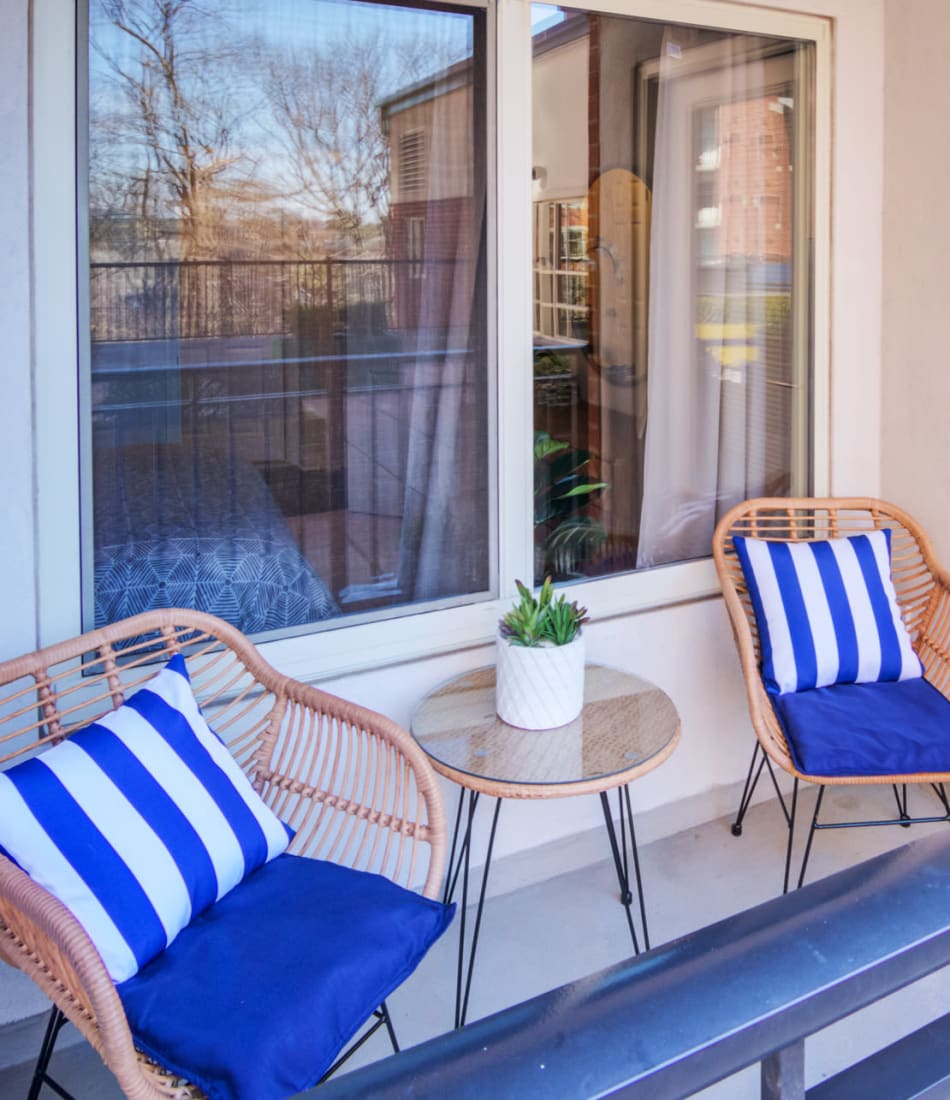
(627, 728)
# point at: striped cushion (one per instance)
(827, 612)
(139, 822)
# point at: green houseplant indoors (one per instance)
(566, 535)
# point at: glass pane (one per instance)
(672, 227)
(287, 308)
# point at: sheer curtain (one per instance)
(443, 547)
(705, 446)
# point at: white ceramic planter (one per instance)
(539, 687)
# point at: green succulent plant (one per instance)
(535, 620)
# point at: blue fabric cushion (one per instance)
(138, 822)
(257, 996)
(826, 612)
(895, 728)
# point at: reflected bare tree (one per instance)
(205, 122)
(170, 133)
(230, 131)
(327, 108)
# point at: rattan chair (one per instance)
(923, 595)
(352, 783)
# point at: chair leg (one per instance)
(778, 789)
(40, 1075)
(381, 1017)
(901, 799)
(791, 835)
(388, 1020)
(811, 836)
(751, 782)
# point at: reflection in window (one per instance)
(561, 307)
(287, 308)
(671, 365)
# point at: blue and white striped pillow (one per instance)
(139, 822)
(827, 612)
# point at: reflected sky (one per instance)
(295, 26)
(264, 91)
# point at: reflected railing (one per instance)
(201, 299)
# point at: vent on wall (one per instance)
(412, 163)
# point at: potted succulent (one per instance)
(539, 674)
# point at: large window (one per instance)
(288, 357)
(299, 345)
(672, 233)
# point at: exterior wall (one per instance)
(559, 140)
(858, 127)
(445, 121)
(915, 429)
(686, 649)
(445, 233)
(17, 548)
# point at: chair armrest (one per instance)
(932, 642)
(40, 936)
(765, 722)
(355, 787)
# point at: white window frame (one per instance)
(419, 632)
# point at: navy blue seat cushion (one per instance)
(889, 728)
(257, 996)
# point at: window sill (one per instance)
(415, 637)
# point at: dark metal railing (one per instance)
(204, 299)
(683, 1016)
(224, 298)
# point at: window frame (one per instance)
(419, 632)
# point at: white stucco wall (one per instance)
(856, 233)
(916, 357)
(17, 590)
(687, 649)
(559, 136)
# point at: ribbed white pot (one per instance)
(539, 687)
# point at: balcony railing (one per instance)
(685, 1015)
(215, 299)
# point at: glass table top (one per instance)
(627, 726)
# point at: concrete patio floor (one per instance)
(571, 924)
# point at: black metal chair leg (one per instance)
(382, 1017)
(791, 835)
(749, 789)
(778, 789)
(811, 836)
(902, 805)
(388, 1021)
(41, 1076)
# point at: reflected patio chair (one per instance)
(841, 616)
(144, 881)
